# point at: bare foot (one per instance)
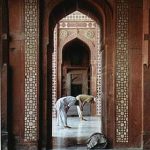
(67, 127)
(83, 119)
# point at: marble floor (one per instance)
(74, 138)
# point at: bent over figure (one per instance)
(83, 99)
(62, 106)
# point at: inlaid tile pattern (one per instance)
(122, 72)
(99, 75)
(78, 16)
(54, 73)
(31, 48)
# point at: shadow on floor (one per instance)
(62, 142)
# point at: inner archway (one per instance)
(75, 68)
(77, 61)
(52, 16)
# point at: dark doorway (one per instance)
(75, 68)
(76, 89)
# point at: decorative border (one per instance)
(99, 74)
(54, 72)
(122, 71)
(31, 54)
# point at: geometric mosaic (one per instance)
(31, 50)
(122, 71)
(54, 73)
(99, 95)
(76, 16)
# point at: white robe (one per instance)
(61, 104)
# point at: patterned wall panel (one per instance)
(54, 73)
(31, 50)
(122, 72)
(99, 75)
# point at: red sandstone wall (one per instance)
(16, 69)
(146, 105)
(146, 74)
(16, 82)
(135, 74)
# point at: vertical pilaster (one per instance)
(122, 71)
(31, 71)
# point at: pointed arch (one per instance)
(102, 13)
(71, 38)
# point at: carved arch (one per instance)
(72, 37)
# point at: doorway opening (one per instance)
(75, 68)
(77, 63)
(76, 89)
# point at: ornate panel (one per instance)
(77, 16)
(31, 50)
(99, 75)
(54, 73)
(75, 24)
(122, 72)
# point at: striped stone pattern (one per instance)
(31, 50)
(122, 71)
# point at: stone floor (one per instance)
(76, 137)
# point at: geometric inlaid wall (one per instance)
(122, 71)
(31, 22)
(54, 73)
(99, 94)
(31, 50)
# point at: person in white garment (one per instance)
(62, 106)
(83, 99)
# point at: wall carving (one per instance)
(63, 34)
(122, 71)
(31, 50)
(89, 34)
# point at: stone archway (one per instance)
(52, 14)
(106, 29)
(75, 61)
(88, 31)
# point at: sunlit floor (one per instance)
(74, 138)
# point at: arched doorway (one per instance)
(76, 72)
(75, 63)
(99, 16)
(75, 68)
